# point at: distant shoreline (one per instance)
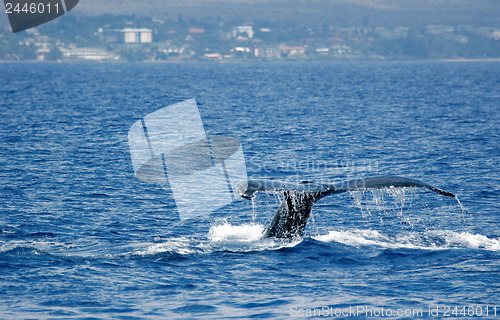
(469, 60)
(256, 60)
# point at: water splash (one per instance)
(265, 203)
(181, 246)
(254, 211)
(312, 219)
(462, 207)
(243, 233)
(389, 205)
(384, 204)
(402, 200)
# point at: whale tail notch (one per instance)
(291, 218)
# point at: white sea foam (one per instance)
(244, 238)
(39, 245)
(429, 240)
(473, 241)
(221, 237)
(179, 245)
(244, 233)
(247, 237)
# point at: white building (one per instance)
(243, 31)
(137, 35)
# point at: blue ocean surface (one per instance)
(81, 237)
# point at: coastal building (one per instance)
(289, 51)
(195, 30)
(243, 32)
(137, 35)
(88, 54)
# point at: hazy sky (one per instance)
(342, 12)
(412, 13)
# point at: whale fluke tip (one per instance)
(442, 192)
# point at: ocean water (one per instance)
(81, 237)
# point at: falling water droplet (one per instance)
(464, 210)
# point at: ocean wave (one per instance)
(31, 245)
(223, 237)
(176, 246)
(428, 240)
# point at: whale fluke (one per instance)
(384, 182)
(291, 218)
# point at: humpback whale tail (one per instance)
(291, 218)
